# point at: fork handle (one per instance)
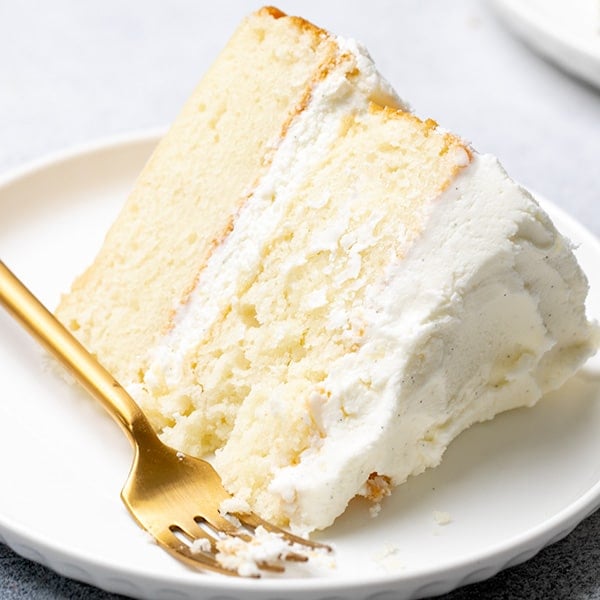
(56, 338)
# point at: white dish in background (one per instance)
(63, 461)
(567, 33)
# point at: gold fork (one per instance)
(173, 496)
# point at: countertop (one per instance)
(72, 72)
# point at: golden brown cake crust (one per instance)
(300, 22)
(451, 141)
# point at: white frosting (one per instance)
(425, 369)
(370, 83)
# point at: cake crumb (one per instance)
(377, 487)
(246, 555)
(388, 557)
(230, 506)
(234, 505)
(441, 517)
(200, 545)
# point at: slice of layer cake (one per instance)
(320, 288)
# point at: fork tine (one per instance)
(219, 523)
(253, 520)
(195, 533)
(223, 525)
(265, 566)
(169, 541)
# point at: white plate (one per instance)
(566, 32)
(511, 486)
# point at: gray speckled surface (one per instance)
(71, 72)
